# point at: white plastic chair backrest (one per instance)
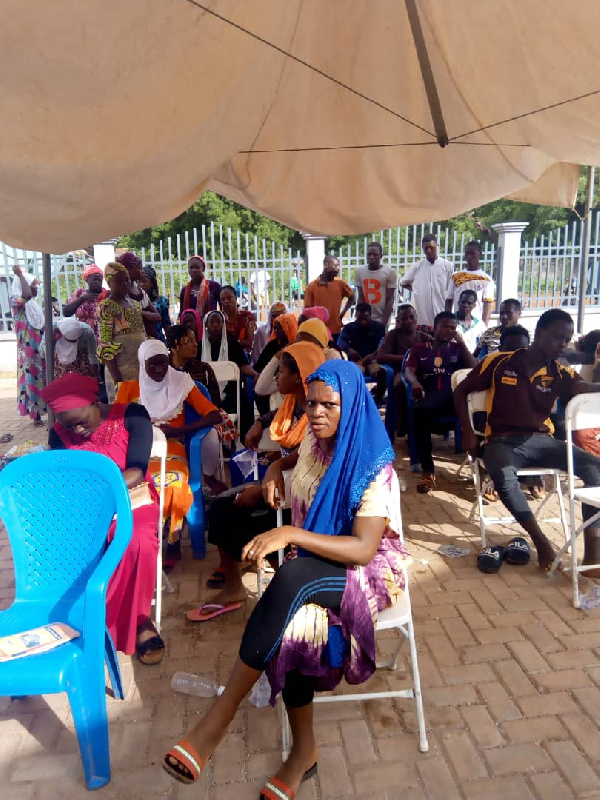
(399, 613)
(228, 371)
(582, 411)
(159, 443)
(396, 506)
(476, 401)
(457, 377)
(159, 450)
(266, 443)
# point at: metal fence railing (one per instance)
(548, 269)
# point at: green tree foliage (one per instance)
(219, 210)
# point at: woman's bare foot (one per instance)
(229, 594)
(299, 761)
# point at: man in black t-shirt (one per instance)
(523, 386)
(360, 340)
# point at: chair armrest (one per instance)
(194, 450)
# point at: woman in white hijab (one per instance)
(28, 318)
(165, 392)
(75, 349)
(218, 345)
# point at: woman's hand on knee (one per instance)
(266, 543)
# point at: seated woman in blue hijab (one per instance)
(315, 623)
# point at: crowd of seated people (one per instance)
(341, 529)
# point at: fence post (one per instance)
(509, 253)
(315, 253)
(104, 252)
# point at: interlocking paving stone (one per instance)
(510, 675)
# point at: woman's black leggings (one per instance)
(296, 583)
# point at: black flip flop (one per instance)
(216, 580)
(151, 651)
(490, 559)
(517, 551)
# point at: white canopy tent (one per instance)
(327, 116)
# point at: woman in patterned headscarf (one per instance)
(121, 329)
(83, 303)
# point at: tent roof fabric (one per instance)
(117, 116)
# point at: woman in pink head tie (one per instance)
(83, 303)
(316, 312)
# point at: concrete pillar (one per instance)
(315, 253)
(509, 252)
(104, 252)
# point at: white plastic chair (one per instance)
(399, 617)
(228, 371)
(583, 411)
(477, 401)
(159, 450)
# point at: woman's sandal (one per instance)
(275, 789)
(183, 763)
(216, 580)
(151, 651)
(491, 495)
(426, 484)
(536, 492)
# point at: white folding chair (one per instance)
(455, 379)
(159, 450)
(399, 617)
(228, 371)
(284, 503)
(583, 411)
(478, 402)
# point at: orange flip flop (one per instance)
(183, 763)
(210, 611)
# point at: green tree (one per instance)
(211, 207)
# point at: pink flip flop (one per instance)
(210, 611)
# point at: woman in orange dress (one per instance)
(164, 392)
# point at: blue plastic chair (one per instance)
(196, 516)
(451, 421)
(57, 508)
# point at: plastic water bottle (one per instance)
(261, 692)
(193, 684)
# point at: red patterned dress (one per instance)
(131, 588)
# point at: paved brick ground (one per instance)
(510, 670)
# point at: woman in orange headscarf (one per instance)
(285, 328)
(231, 521)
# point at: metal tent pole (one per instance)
(585, 247)
(48, 322)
